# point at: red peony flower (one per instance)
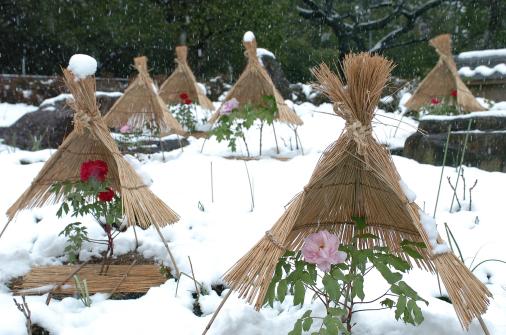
(454, 93)
(184, 96)
(106, 196)
(94, 169)
(435, 101)
(187, 102)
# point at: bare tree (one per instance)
(353, 28)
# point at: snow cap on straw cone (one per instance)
(443, 81)
(183, 80)
(91, 140)
(141, 105)
(356, 177)
(255, 83)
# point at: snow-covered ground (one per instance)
(218, 236)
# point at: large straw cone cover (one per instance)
(442, 80)
(91, 140)
(354, 177)
(255, 83)
(183, 80)
(141, 106)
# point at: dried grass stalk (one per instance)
(141, 106)
(183, 80)
(355, 177)
(255, 83)
(91, 140)
(442, 80)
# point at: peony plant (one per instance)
(184, 113)
(444, 105)
(91, 194)
(235, 120)
(335, 274)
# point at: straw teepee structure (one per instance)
(442, 80)
(255, 83)
(91, 140)
(183, 80)
(141, 106)
(356, 177)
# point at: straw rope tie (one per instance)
(359, 133)
(81, 120)
(274, 241)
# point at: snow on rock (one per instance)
(482, 53)
(499, 112)
(410, 195)
(430, 227)
(248, 37)
(82, 65)
(264, 52)
(483, 70)
(10, 113)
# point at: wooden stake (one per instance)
(50, 294)
(217, 311)
(173, 260)
(124, 277)
(275, 138)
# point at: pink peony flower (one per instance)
(229, 106)
(124, 129)
(322, 249)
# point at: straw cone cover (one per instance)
(442, 80)
(255, 83)
(356, 177)
(91, 140)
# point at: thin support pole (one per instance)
(461, 162)
(4, 228)
(50, 294)
(442, 169)
(202, 148)
(261, 128)
(250, 187)
(124, 277)
(275, 138)
(217, 311)
(136, 239)
(180, 142)
(297, 140)
(161, 148)
(483, 325)
(212, 184)
(173, 260)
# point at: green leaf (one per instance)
(358, 287)
(417, 313)
(299, 292)
(331, 287)
(297, 328)
(390, 277)
(388, 303)
(282, 289)
(411, 252)
(306, 324)
(359, 222)
(400, 307)
(269, 295)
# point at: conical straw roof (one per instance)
(356, 177)
(255, 83)
(91, 140)
(141, 106)
(183, 80)
(442, 80)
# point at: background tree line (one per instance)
(41, 35)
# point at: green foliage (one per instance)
(184, 114)
(81, 198)
(232, 126)
(342, 287)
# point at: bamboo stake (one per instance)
(193, 277)
(4, 228)
(50, 294)
(461, 162)
(216, 312)
(250, 187)
(275, 138)
(442, 169)
(124, 277)
(173, 260)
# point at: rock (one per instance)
(301, 93)
(152, 146)
(216, 87)
(486, 144)
(277, 75)
(48, 126)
